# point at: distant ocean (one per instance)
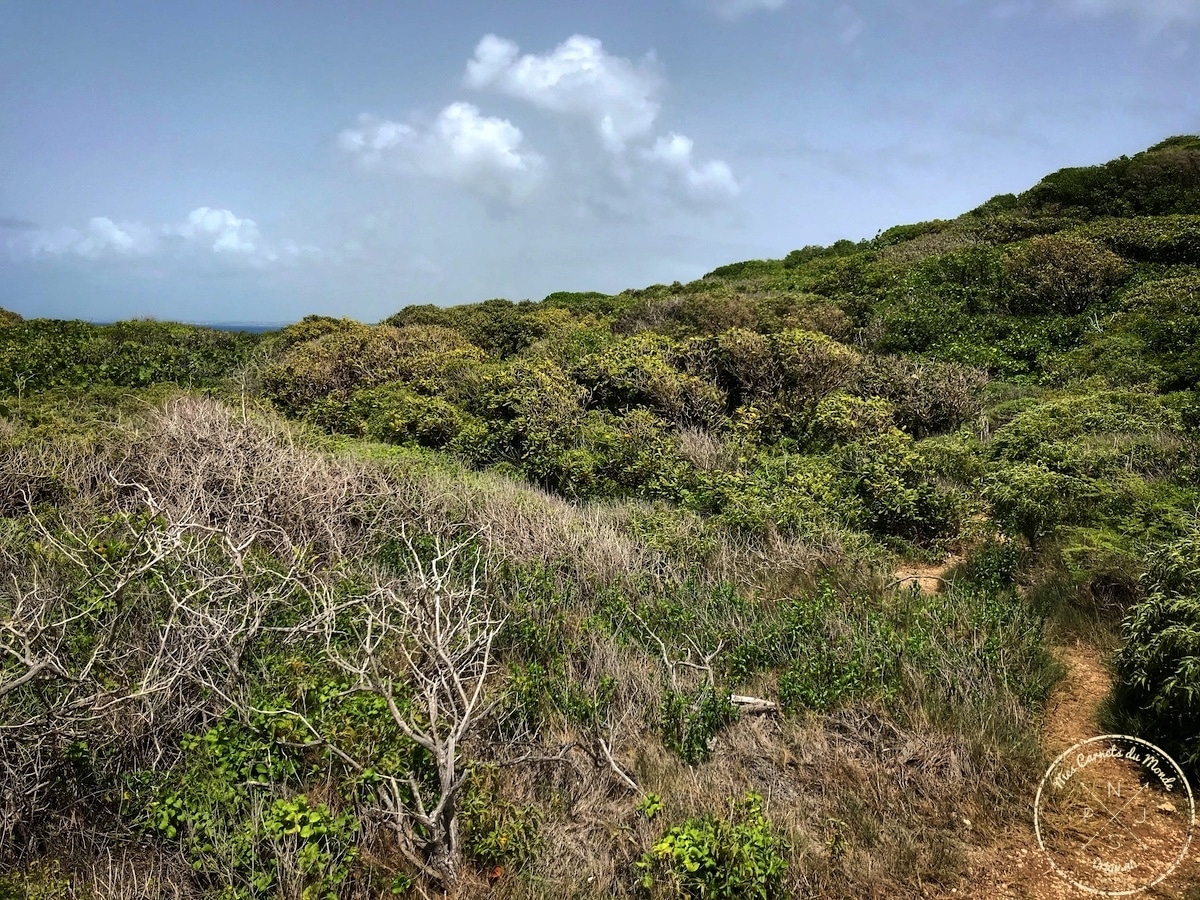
(252, 327)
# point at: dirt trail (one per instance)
(1011, 865)
(930, 579)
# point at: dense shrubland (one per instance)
(466, 597)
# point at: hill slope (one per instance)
(476, 596)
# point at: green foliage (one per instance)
(927, 396)
(638, 372)
(713, 857)
(1062, 273)
(500, 327)
(324, 373)
(1156, 239)
(399, 415)
(842, 247)
(8, 317)
(36, 354)
(690, 720)
(1162, 180)
(312, 327)
(1153, 339)
(230, 810)
(898, 234)
(1157, 695)
(744, 269)
(495, 831)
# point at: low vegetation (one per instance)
(598, 596)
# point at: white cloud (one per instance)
(617, 96)
(1154, 15)
(706, 183)
(228, 233)
(205, 230)
(483, 153)
(735, 9)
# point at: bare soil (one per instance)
(1011, 865)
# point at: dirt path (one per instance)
(930, 579)
(1011, 865)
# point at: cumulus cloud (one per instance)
(709, 182)
(204, 230)
(619, 97)
(1154, 15)
(485, 154)
(735, 9)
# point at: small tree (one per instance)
(424, 645)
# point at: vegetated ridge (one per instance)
(608, 595)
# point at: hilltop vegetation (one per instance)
(467, 596)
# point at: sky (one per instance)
(260, 161)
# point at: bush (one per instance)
(312, 327)
(715, 857)
(398, 415)
(637, 372)
(1158, 670)
(498, 326)
(334, 366)
(1159, 239)
(1062, 273)
(928, 396)
(1154, 339)
(8, 317)
(49, 353)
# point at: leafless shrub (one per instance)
(141, 640)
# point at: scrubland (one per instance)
(606, 595)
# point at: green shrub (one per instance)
(713, 857)
(398, 415)
(1158, 239)
(312, 327)
(1157, 695)
(8, 317)
(888, 481)
(36, 354)
(690, 720)
(1153, 339)
(638, 372)
(498, 326)
(336, 365)
(1062, 273)
(928, 396)
(1030, 500)
(842, 418)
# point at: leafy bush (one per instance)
(1153, 339)
(332, 367)
(927, 396)
(312, 327)
(712, 857)
(638, 372)
(398, 415)
(45, 353)
(1159, 239)
(1158, 669)
(1062, 273)
(8, 317)
(689, 720)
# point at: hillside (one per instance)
(609, 595)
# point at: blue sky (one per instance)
(259, 161)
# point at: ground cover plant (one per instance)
(605, 595)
